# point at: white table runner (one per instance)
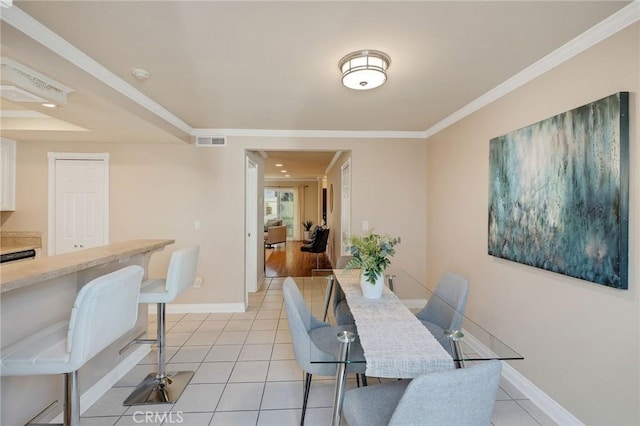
(395, 342)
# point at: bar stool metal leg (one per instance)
(72, 399)
(160, 387)
(71, 407)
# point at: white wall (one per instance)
(580, 340)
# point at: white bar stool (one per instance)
(164, 387)
(105, 309)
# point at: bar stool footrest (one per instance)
(160, 391)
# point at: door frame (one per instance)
(345, 208)
(251, 228)
(53, 157)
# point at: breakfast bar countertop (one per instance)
(21, 274)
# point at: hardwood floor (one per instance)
(286, 260)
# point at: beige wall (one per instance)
(386, 191)
(158, 191)
(580, 340)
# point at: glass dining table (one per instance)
(389, 339)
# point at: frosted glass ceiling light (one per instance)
(364, 69)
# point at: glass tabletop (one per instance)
(471, 342)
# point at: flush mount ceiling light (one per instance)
(364, 69)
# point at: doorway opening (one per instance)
(282, 204)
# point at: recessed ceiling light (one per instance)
(49, 105)
(283, 171)
(278, 165)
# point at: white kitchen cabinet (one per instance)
(7, 175)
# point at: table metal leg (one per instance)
(327, 295)
(345, 338)
(454, 337)
(390, 279)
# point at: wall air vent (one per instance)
(209, 141)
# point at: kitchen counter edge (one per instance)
(21, 274)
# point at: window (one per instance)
(280, 203)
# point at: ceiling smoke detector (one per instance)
(140, 74)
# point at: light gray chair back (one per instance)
(446, 309)
(456, 397)
(460, 397)
(338, 293)
(301, 323)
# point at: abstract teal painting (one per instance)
(559, 193)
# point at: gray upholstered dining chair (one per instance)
(314, 340)
(340, 308)
(445, 308)
(458, 397)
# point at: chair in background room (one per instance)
(458, 397)
(275, 232)
(315, 340)
(445, 308)
(314, 234)
(318, 246)
(275, 235)
(104, 311)
(161, 386)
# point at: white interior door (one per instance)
(251, 227)
(80, 195)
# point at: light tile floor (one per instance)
(246, 374)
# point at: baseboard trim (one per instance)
(551, 408)
(548, 405)
(200, 308)
(95, 392)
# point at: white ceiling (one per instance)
(305, 165)
(274, 65)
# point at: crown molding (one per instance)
(348, 134)
(604, 29)
(23, 22)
